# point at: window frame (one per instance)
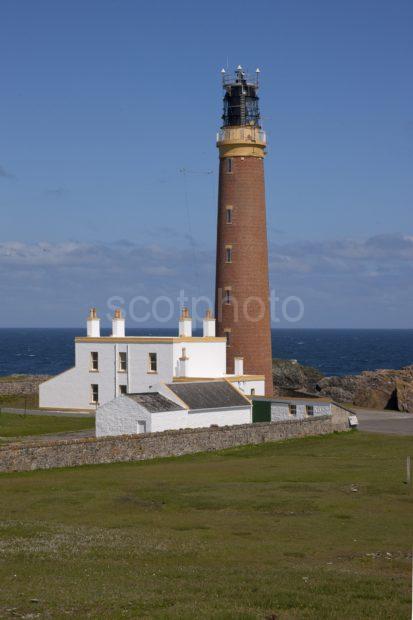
(94, 390)
(309, 409)
(292, 409)
(122, 357)
(228, 215)
(228, 254)
(94, 361)
(152, 361)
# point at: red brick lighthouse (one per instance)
(242, 288)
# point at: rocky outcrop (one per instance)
(289, 376)
(404, 395)
(376, 389)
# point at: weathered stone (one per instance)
(404, 395)
(378, 389)
(289, 375)
(21, 384)
(71, 453)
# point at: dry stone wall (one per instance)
(72, 453)
(21, 384)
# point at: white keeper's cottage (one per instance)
(109, 366)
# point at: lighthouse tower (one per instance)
(242, 289)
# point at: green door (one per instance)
(261, 411)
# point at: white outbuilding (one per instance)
(191, 404)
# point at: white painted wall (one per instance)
(72, 389)
(247, 386)
(280, 410)
(121, 417)
(206, 359)
(140, 379)
(201, 418)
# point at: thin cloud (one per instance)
(341, 282)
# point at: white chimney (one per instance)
(209, 325)
(238, 366)
(118, 325)
(185, 324)
(93, 324)
(183, 364)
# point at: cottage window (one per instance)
(309, 409)
(293, 409)
(94, 390)
(123, 362)
(153, 362)
(94, 361)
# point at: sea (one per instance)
(332, 351)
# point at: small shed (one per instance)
(191, 404)
(132, 413)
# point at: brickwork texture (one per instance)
(247, 316)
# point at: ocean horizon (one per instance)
(37, 350)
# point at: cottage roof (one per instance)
(208, 394)
(154, 402)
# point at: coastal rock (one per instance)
(377, 389)
(290, 376)
(404, 395)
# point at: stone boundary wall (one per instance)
(75, 452)
(21, 385)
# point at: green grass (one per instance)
(273, 531)
(15, 425)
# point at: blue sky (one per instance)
(104, 103)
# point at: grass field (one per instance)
(15, 425)
(310, 528)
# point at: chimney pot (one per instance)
(209, 325)
(93, 324)
(185, 324)
(118, 324)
